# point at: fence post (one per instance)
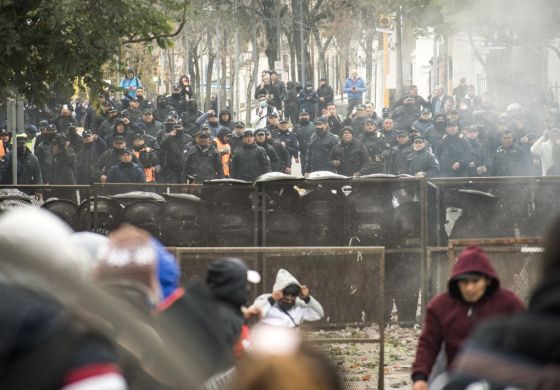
(424, 243)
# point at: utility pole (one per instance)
(236, 63)
(301, 43)
(386, 95)
(15, 122)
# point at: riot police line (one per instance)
(324, 210)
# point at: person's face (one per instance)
(238, 130)
(438, 92)
(388, 125)
(148, 118)
(274, 77)
(414, 92)
(321, 128)
(426, 116)
(448, 105)
(473, 289)
(260, 137)
(226, 137)
(176, 91)
(4, 137)
(332, 109)
(507, 140)
(120, 128)
(65, 112)
(203, 140)
(273, 120)
(212, 119)
(370, 127)
(135, 104)
(225, 117)
(322, 82)
(126, 157)
(370, 109)
(419, 145)
(304, 118)
(119, 145)
(288, 300)
(43, 130)
(402, 139)
(185, 81)
(87, 139)
(471, 133)
(347, 136)
(138, 142)
(283, 126)
(354, 74)
(129, 75)
(266, 79)
(452, 130)
(140, 92)
(248, 139)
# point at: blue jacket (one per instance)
(133, 82)
(360, 86)
(121, 173)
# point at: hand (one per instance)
(456, 166)
(227, 150)
(297, 160)
(210, 111)
(420, 385)
(304, 293)
(250, 312)
(94, 137)
(126, 120)
(288, 170)
(277, 295)
(157, 168)
(524, 139)
(471, 164)
(481, 170)
(173, 132)
(103, 179)
(420, 174)
(377, 158)
(38, 196)
(321, 99)
(357, 174)
(336, 163)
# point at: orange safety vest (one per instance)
(2, 150)
(149, 172)
(220, 146)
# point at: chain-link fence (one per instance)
(348, 282)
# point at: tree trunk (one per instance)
(369, 63)
(398, 48)
(269, 9)
(293, 62)
(300, 9)
(322, 49)
(255, 59)
(444, 74)
(209, 71)
(224, 69)
(193, 67)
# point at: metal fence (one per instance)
(348, 282)
(410, 217)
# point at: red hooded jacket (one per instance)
(450, 319)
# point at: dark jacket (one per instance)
(308, 101)
(45, 156)
(249, 162)
(189, 117)
(404, 116)
(352, 156)
(289, 140)
(379, 151)
(109, 158)
(450, 319)
(63, 122)
(454, 149)
(28, 170)
(133, 115)
(284, 158)
(513, 161)
(422, 126)
(303, 134)
(319, 152)
(424, 161)
(86, 158)
(126, 173)
(401, 155)
(325, 91)
(64, 168)
(151, 128)
(520, 351)
(171, 151)
(272, 156)
(202, 164)
(178, 102)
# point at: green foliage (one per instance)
(47, 43)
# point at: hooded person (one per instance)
(518, 351)
(225, 119)
(473, 295)
(227, 279)
(223, 147)
(189, 117)
(290, 303)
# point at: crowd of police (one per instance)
(135, 140)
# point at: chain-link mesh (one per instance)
(348, 282)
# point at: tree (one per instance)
(47, 43)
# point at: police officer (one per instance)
(284, 158)
(260, 139)
(510, 158)
(423, 162)
(377, 146)
(304, 130)
(320, 146)
(348, 157)
(454, 154)
(287, 138)
(250, 160)
(203, 161)
(401, 154)
(172, 146)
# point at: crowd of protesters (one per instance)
(169, 140)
